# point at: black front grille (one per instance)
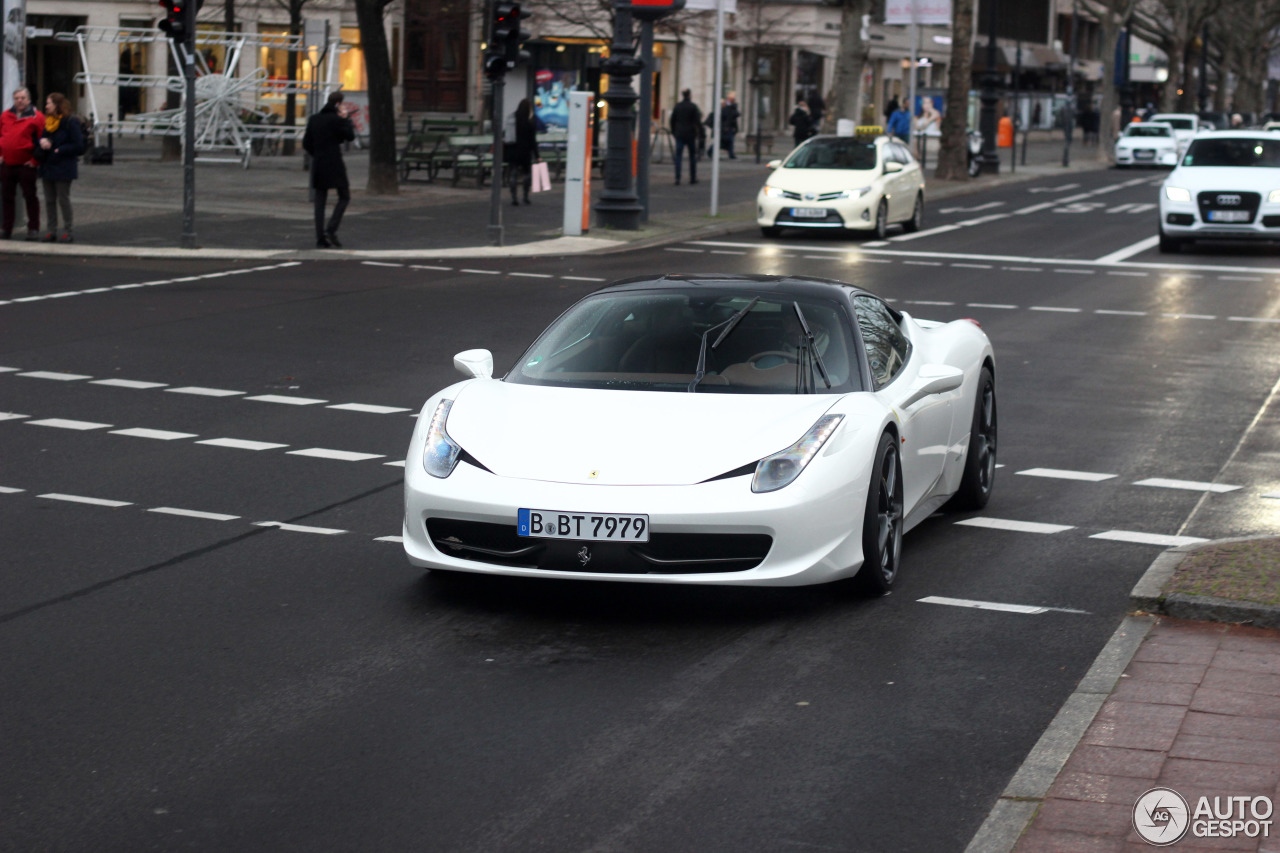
(1180, 219)
(1214, 203)
(663, 554)
(786, 217)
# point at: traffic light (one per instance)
(505, 35)
(174, 23)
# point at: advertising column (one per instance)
(15, 42)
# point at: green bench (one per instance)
(426, 151)
(472, 157)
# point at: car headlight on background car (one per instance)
(440, 456)
(772, 192)
(1274, 196)
(774, 472)
(1177, 194)
(858, 193)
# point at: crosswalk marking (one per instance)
(64, 423)
(1147, 538)
(193, 513)
(161, 434)
(1057, 473)
(995, 605)
(204, 392)
(81, 499)
(241, 444)
(1015, 526)
(342, 455)
(128, 383)
(299, 528)
(364, 407)
(287, 401)
(1188, 485)
(52, 374)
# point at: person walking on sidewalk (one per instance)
(20, 128)
(686, 122)
(729, 114)
(521, 151)
(900, 124)
(61, 145)
(802, 121)
(326, 132)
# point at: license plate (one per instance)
(1144, 155)
(588, 526)
(1228, 216)
(809, 212)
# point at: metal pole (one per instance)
(1017, 72)
(1069, 115)
(987, 122)
(619, 207)
(495, 192)
(914, 35)
(715, 105)
(646, 117)
(188, 240)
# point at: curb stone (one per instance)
(1148, 595)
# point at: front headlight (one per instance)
(1274, 196)
(440, 456)
(1177, 194)
(858, 193)
(772, 192)
(774, 472)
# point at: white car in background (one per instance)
(1227, 187)
(1147, 143)
(1185, 127)
(864, 182)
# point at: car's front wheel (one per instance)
(882, 522)
(882, 220)
(916, 222)
(980, 462)
(1169, 245)
(770, 231)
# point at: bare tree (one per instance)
(953, 153)
(1174, 26)
(294, 8)
(1112, 16)
(382, 114)
(851, 60)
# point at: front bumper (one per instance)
(1194, 219)
(853, 214)
(1164, 158)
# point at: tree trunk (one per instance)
(382, 117)
(953, 154)
(850, 61)
(291, 69)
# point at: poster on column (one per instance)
(903, 12)
(15, 40)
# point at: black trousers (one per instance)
(322, 196)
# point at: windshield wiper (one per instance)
(728, 327)
(811, 350)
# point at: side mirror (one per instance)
(892, 166)
(476, 363)
(934, 379)
(773, 164)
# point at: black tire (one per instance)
(770, 231)
(882, 220)
(1169, 245)
(916, 222)
(882, 522)
(980, 460)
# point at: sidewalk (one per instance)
(1173, 710)
(134, 208)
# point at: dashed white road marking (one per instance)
(538, 274)
(1147, 538)
(371, 409)
(380, 264)
(10, 490)
(161, 434)
(241, 444)
(287, 401)
(203, 392)
(726, 252)
(341, 455)
(128, 383)
(973, 266)
(1255, 319)
(1174, 316)
(135, 285)
(923, 263)
(399, 463)
(428, 267)
(1056, 308)
(193, 513)
(1031, 610)
(299, 528)
(1075, 272)
(388, 539)
(1188, 485)
(691, 251)
(1121, 313)
(81, 499)
(1126, 272)
(1060, 474)
(990, 305)
(50, 374)
(12, 416)
(582, 278)
(482, 272)
(9, 369)
(1015, 526)
(64, 423)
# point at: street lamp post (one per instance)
(990, 79)
(619, 206)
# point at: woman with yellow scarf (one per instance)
(61, 145)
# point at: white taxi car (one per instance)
(1227, 187)
(864, 182)
(1147, 143)
(1185, 127)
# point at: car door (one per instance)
(908, 182)
(925, 424)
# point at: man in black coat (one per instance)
(326, 132)
(686, 124)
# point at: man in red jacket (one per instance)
(20, 128)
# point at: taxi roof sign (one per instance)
(868, 130)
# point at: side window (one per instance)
(887, 347)
(904, 155)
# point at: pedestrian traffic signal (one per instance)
(174, 23)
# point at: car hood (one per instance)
(822, 180)
(1146, 142)
(1238, 178)
(643, 438)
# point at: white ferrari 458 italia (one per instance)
(710, 429)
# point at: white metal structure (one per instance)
(229, 115)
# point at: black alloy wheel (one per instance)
(916, 222)
(980, 461)
(882, 220)
(882, 522)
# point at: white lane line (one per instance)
(726, 252)
(928, 232)
(193, 513)
(875, 244)
(388, 539)
(860, 260)
(203, 392)
(1187, 485)
(241, 444)
(974, 209)
(1147, 538)
(693, 251)
(1255, 319)
(50, 374)
(9, 490)
(399, 463)
(9, 369)
(380, 264)
(991, 305)
(12, 416)
(973, 266)
(341, 455)
(1239, 278)
(1036, 208)
(924, 302)
(1274, 495)
(1054, 308)
(1124, 272)
(1060, 474)
(995, 605)
(819, 257)
(128, 383)
(299, 528)
(1058, 189)
(530, 275)
(1022, 269)
(63, 423)
(586, 277)
(1129, 251)
(1121, 313)
(287, 401)
(982, 220)
(1189, 316)
(1075, 272)
(1015, 526)
(483, 272)
(923, 263)
(370, 409)
(428, 267)
(81, 499)
(161, 434)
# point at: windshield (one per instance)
(1233, 151)
(1179, 123)
(1135, 130)
(837, 152)
(650, 341)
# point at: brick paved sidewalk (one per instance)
(1197, 710)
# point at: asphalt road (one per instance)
(209, 643)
